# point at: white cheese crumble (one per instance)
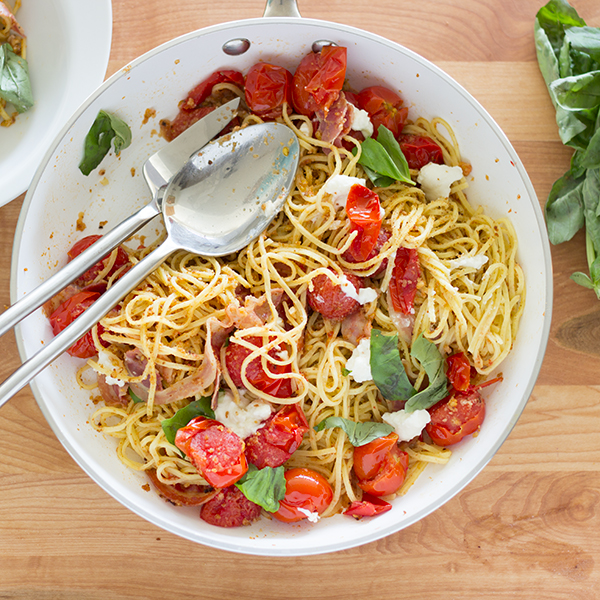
(435, 180)
(313, 517)
(476, 262)
(243, 420)
(104, 360)
(360, 121)
(339, 186)
(359, 363)
(269, 208)
(363, 296)
(305, 129)
(407, 425)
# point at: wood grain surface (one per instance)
(528, 527)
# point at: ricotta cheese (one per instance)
(363, 296)
(476, 262)
(359, 363)
(313, 517)
(360, 121)
(243, 420)
(435, 180)
(407, 425)
(339, 186)
(104, 360)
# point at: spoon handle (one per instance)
(28, 370)
(79, 265)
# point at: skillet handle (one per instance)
(282, 8)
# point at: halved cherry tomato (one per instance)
(318, 80)
(405, 276)
(419, 150)
(184, 119)
(380, 465)
(215, 451)
(181, 495)
(278, 438)
(304, 489)
(230, 508)
(329, 299)
(455, 417)
(267, 88)
(66, 313)
(369, 506)
(89, 276)
(204, 89)
(235, 354)
(384, 107)
(382, 238)
(364, 212)
(458, 372)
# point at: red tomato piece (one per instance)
(369, 506)
(235, 354)
(178, 494)
(318, 80)
(384, 107)
(230, 508)
(278, 438)
(364, 212)
(458, 372)
(380, 466)
(267, 88)
(420, 151)
(204, 89)
(183, 120)
(91, 274)
(215, 451)
(455, 417)
(329, 298)
(304, 489)
(66, 313)
(405, 276)
(382, 238)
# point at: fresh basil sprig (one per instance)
(265, 487)
(106, 129)
(358, 434)
(197, 408)
(15, 86)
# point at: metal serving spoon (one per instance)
(221, 200)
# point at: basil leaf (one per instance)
(578, 92)
(265, 487)
(387, 369)
(585, 40)
(564, 209)
(386, 138)
(555, 18)
(197, 408)
(103, 131)
(15, 86)
(136, 399)
(358, 434)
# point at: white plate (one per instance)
(68, 44)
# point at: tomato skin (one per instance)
(458, 371)
(329, 299)
(420, 150)
(204, 89)
(278, 438)
(455, 417)
(369, 506)
(89, 276)
(230, 508)
(405, 276)
(180, 495)
(384, 107)
(215, 451)
(364, 212)
(380, 466)
(267, 88)
(304, 489)
(66, 313)
(318, 80)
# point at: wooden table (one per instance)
(526, 528)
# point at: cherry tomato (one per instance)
(458, 372)
(382, 238)
(403, 283)
(184, 119)
(235, 354)
(181, 495)
(267, 88)
(215, 451)
(304, 489)
(364, 212)
(384, 107)
(204, 89)
(318, 80)
(278, 438)
(369, 506)
(419, 150)
(230, 508)
(66, 313)
(380, 465)
(456, 416)
(89, 276)
(329, 299)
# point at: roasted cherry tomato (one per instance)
(329, 299)
(66, 313)
(384, 107)
(184, 119)
(89, 276)
(235, 354)
(267, 88)
(458, 372)
(364, 212)
(318, 80)
(230, 508)
(304, 489)
(278, 438)
(455, 416)
(369, 506)
(181, 495)
(382, 238)
(215, 451)
(380, 466)
(420, 151)
(204, 89)
(405, 276)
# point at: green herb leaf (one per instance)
(197, 408)
(136, 399)
(564, 208)
(358, 434)
(585, 39)
(104, 130)
(265, 487)
(15, 86)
